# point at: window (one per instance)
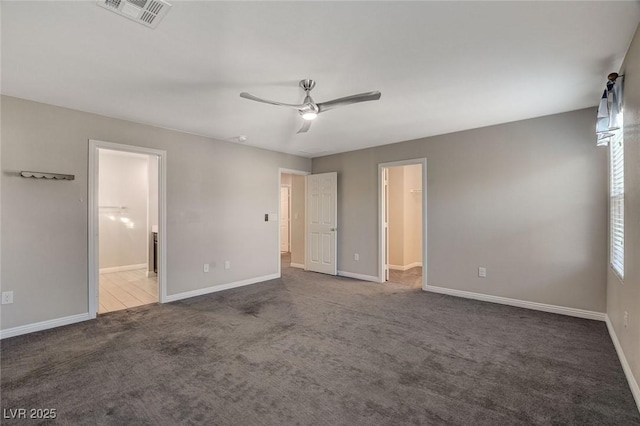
(616, 203)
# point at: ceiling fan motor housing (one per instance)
(307, 84)
(309, 106)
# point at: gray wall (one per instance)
(625, 296)
(217, 195)
(527, 200)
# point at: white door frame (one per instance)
(385, 221)
(289, 172)
(94, 271)
(381, 216)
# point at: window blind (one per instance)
(616, 214)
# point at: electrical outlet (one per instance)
(206, 267)
(482, 272)
(7, 297)
(227, 264)
(356, 256)
(626, 318)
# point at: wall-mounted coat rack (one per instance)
(45, 175)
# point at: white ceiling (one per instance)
(441, 66)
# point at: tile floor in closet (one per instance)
(127, 289)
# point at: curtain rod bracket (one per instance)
(613, 76)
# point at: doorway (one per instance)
(126, 227)
(291, 239)
(403, 223)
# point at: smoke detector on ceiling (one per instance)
(146, 12)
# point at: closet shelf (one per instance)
(122, 208)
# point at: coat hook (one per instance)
(45, 175)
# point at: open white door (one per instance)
(322, 223)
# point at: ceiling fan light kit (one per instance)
(309, 110)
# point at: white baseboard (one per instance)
(633, 384)
(563, 310)
(405, 267)
(297, 265)
(123, 268)
(358, 276)
(221, 287)
(43, 325)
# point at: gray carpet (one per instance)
(310, 349)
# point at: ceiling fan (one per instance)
(309, 110)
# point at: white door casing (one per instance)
(93, 248)
(385, 183)
(284, 219)
(322, 223)
(383, 213)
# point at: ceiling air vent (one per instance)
(146, 12)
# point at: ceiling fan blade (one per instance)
(348, 100)
(257, 99)
(305, 127)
